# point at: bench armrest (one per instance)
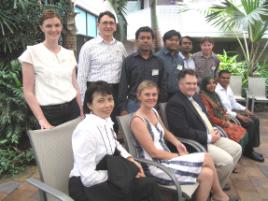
(50, 190)
(167, 171)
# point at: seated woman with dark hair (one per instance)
(217, 113)
(151, 134)
(103, 170)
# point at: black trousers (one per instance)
(60, 113)
(253, 129)
(142, 189)
(115, 88)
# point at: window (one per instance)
(86, 23)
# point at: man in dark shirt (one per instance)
(173, 63)
(139, 66)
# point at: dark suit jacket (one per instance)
(183, 119)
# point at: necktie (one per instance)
(203, 116)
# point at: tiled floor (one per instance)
(251, 183)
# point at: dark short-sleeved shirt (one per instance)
(136, 69)
(206, 66)
(173, 65)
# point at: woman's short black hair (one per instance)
(100, 87)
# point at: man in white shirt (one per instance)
(247, 119)
(186, 46)
(101, 58)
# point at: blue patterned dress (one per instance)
(185, 167)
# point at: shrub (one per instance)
(15, 119)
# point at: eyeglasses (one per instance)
(106, 23)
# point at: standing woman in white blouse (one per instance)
(49, 76)
(94, 139)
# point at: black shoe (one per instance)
(234, 198)
(226, 187)
(254, 156)
(231, 198)
(258, 153)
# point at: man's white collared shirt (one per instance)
(228, 100)
(188, 62)
(99, 60)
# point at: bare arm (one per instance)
(142, 135)
(78, 96)
(29, 95)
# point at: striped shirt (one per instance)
(99, 60)
(206, 66)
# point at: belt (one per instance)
(58, 105)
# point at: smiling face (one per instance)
(51, 28)
(188, 85)
(102, 105)
(148, 97)
(224, 79)
(206, 48)
(107, 26)
(211, 85)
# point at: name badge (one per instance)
(179, 67)
(155, 72)
(213, 68)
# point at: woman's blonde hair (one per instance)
(145, 85)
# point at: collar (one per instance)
(220, 87)
(100, 121)
(213, 55)
(183, 57)
(137, 53)
(167, 51)
(190, 98)
(99, 39)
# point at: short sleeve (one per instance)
(26, 56)
(72, 58)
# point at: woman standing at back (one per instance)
(49, 77)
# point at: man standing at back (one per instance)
(187, 118)
(172, 61)
(206, 61)
(186, 46)
(139, 66)
(101, 58)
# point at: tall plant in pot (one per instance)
(248, 20)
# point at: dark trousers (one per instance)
(60, 113)
(115, 88)
(253, 129)
(142, 189)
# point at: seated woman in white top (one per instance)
(92, 141)
(49, 76)
(151, 134)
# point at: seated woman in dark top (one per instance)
(217, 113)
(93, 141)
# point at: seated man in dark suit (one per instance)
(187, 118)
